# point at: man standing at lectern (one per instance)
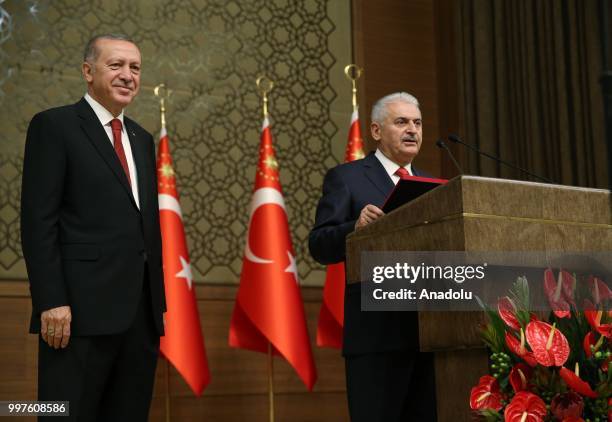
(387, 378)
(92, 244)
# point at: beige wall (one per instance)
(209, 53)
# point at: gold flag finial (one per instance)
(264, 86)
(353, 72)
(162, 92)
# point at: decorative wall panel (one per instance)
(209, 54)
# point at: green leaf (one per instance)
(520, 294)
(490, 415)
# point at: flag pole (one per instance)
(353, 72)
(162, 101)
(162, 110)
(264, 86)
(270, 383)
(167, 395)
(354, 148)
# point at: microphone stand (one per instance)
(456, 139)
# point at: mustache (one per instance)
(412, 138)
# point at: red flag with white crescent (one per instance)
(331, 316)
(269, 307)
(183, 343)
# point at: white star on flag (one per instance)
(292, 268)
(185, 272)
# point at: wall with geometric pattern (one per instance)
(209, 53)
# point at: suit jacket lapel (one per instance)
(98, 137)
(377, 174)
(140, 160)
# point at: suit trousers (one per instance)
(391, 387)
(105, 377)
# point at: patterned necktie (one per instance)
(402, 173)
(116, 126)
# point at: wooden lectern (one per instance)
(481, 214)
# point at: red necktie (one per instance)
(402, 173)
(116, 126)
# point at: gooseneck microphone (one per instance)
(442, 145)
(457, 140)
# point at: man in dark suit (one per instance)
(387, 378)
(92, 244)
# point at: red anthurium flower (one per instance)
(594, 318)
(574, 382)
(507, 312)
(567, 405)
(573, 419)
(600, 291)
(568, 285)
(518, 348)
(549, 345)
(486, 394)
(525, 407)
(558, 292)
(589, 340)
(520, 375)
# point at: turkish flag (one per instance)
(183, 343)
(331, 316)
(268, 307)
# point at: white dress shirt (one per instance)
(105, 118)
(391, 167)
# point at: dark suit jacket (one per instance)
(85, 242)
(348, 188)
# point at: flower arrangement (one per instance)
(559, 369)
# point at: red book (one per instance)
(408, 189)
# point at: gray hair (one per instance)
(379, 110)
(91, 52)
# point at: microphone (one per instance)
(442, 145)
(456, 139)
